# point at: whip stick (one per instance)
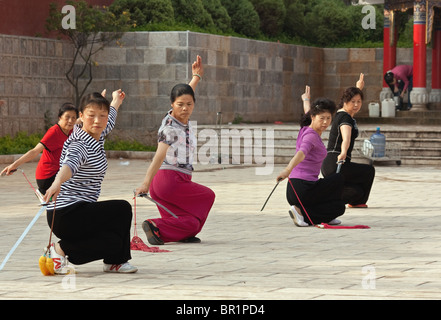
(270, 194)
(146, 195)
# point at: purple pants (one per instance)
(190, 201)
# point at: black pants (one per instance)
(321, 199)
(359, 178)
(44, 184)
(90, 231)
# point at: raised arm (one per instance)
(197, 72)
(117, 98)
(306, 97)
(360, 82)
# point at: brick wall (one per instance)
(255, 80)
(32, 82)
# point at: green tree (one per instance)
(143, 12)
(272, 15)
(95, 28)
(219, 14)
(192, 12)
(244, 18)
(360, 34)
(328, 23)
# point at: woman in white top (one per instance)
(168, 178)
(89, 229)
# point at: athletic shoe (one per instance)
(357, 206)
(152, 233)
(61, 264)
(334, 222)
(120, 268)
(297, 217)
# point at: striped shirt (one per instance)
(87, 160)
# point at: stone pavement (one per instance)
(245, 253)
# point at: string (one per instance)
(325, 225)
(312, 223)
(28, 181)
(137, 243)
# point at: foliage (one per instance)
(192, 11)
(272, 15)
(19, 144)
(22, 142)
(145, 11)
(95, 28)
(219, 14)
(122, 145)
(244, 18)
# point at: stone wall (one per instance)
(32, 82)
(255, 81)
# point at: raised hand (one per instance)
(306, 99)
(360, 82)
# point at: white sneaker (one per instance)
(61, 263)
(297, 217)
(334, 222)
(120, 268)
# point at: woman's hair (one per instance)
(180, 90)
(319, 106)
(389, 77)
(96, 99)
(348, 94)
(67, 106)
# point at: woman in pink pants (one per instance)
(168, 178)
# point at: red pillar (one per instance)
(436, 58)
(435, 93)
(419, 96)
(389, 45)
(419, 46)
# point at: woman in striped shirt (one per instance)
(168, 177)
(89, 229)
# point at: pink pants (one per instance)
(190, 201)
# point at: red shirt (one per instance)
(53, 142)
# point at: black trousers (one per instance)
(359, 178)
(90, 231)
(44, 184)
(321, 199)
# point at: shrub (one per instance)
(20, 143)
(192, 11)
(328, 23)
(271, 14)
(143, 12)
(294, 22)
(244, 18)
(219, 14)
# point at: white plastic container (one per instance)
(374, 109)
(388, 108)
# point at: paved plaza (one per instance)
(245, 253)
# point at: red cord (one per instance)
(325, 225)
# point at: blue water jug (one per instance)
(378, 141)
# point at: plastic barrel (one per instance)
(378, 141)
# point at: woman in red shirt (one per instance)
(51, 145)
